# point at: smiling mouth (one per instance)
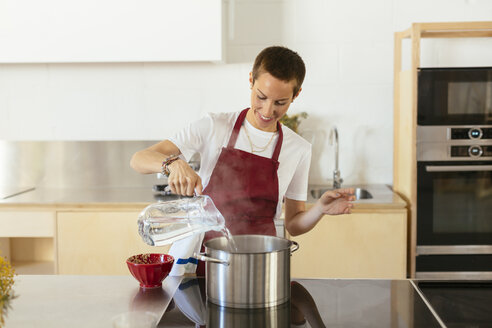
(264, 118)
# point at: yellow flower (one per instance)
(7, 274)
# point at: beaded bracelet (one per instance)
(166, 163)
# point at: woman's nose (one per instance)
(268, 109)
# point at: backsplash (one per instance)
(71, 164)
(349, 81)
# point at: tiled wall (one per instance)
(347, 47)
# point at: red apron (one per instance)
(244, 188)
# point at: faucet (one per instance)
(337, 180)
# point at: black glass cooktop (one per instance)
(460, 303)
(314, 303)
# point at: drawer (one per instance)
(27, 224)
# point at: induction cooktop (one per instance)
(313, 303)
(460, 303)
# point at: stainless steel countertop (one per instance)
(382, 195)
(65, 196)
(136, 198)
(93, 301)
(83, 301)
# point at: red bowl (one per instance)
(150, 269)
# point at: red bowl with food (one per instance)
(150, 269)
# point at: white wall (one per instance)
(347, 47)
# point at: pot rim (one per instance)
(288, 248)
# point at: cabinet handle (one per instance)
(458, 168)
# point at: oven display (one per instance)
(471, 133)
(471, 151)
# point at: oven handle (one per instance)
(459, 168)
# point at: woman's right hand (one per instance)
(183, 180)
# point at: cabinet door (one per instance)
(98, 243)
(359, 245)
(59, 31)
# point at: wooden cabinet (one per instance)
(75, 239)
(364, 244)
(97, 239)
(98, 243)
(28, 239)
(57, 31)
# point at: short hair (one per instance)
(282, 63)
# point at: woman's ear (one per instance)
(297, 94)
(251, 80)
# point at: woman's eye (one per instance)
(280, 103)
(261, 98)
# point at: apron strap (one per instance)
(276, 152)
(237, 127)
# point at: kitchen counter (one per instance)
(92, 301)
(83, 301)
(382, 196)
(75, 218)
(85, 197)
(88, 199)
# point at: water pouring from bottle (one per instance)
(230, 240)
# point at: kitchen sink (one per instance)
(360, 193)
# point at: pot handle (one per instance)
(203, 257)
(294, 247)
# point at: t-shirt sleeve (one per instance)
(297, 189)
(192, 138)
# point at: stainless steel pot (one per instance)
(257, 275)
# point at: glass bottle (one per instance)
(165, 222)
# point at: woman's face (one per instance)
(270, 100)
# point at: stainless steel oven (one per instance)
(454, 202)
(455, 96)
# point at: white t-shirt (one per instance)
(210, 134)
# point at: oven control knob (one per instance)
(475, 133)
(475, 151)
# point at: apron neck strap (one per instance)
(237, 127)
(276, 152)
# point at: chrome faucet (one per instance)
(337, 180)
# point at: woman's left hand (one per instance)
(337, 201)
(332, 202)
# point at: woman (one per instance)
(249, 161)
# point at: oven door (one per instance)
(454, 220)
(454, 203)
(455, 96)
